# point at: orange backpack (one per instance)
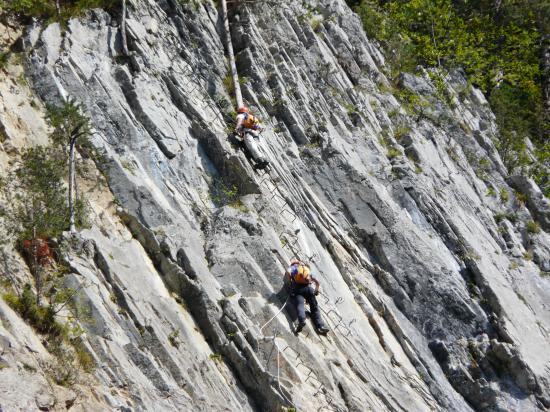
(300, 274)
(250, 121)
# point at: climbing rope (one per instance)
(277, 314)
(278, 350)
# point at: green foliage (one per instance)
(401, 131)
(491, 191)
(68, 122)
(522, 198)
(63, 339)
(504, 195)
(499, 217)
(41, 318)
(25, 10)
(4, 58)
(222, 194)
(228, 84)
(193, 5)
(393, 153)
(351, 109)
(498, 47)
(39, 206)
(316, 23)
(532, 227)
(216, 357)
(173, 338)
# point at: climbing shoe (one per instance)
(323, 330)
(300, 327)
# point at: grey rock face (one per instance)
(431, 303)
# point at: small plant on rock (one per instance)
(532, 227)
(173, 338)
(393, 153)
(491, 191)
(216, 357)
(504, 195)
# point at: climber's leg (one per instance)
(315, 312)
(299, 303)
(252, 146)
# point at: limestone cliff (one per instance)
(433, 303)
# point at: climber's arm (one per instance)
(239, 126)
(317, 285)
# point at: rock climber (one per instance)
(300, 280)
(249, 128)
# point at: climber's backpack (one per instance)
(300, 274)
(250, 121)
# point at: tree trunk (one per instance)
(35, 270)
(232, 65)
(71, 185)
(123, 30)
(545, 57)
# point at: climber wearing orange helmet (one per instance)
(249, 128)
(301, 278)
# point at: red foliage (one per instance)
(40, 250)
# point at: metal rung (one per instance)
(336, 313)
(313, 378)
(341, 325)
(294, 217)
(319, 389)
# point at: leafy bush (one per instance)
(499, 217)
(41, 318)
(4, 58)
(62, 339)
(499, 47)
(25, 10)
(40, 205)
(491, 191)
(504, 195)
(393, 153)
(532, 227)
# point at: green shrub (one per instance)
(393, 153)
(351, 109)
(401, 131)
(41, 318)
(522, 198)
(499, 217)
(63, 339)
(532, 227)
(40, 206)
(499, 48)
(25, 10)
(173, 338)
(4, 59)
(216, 357)
(504, 195)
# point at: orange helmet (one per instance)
(243, 109)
